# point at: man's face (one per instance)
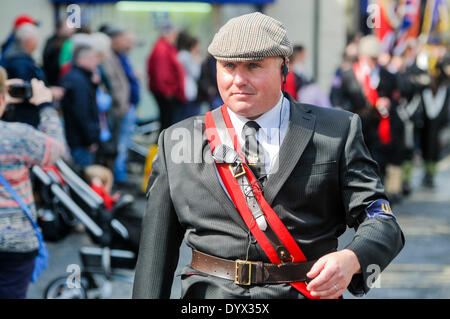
(89, 61)
(250, 88)
(31, 44)
(172, 36)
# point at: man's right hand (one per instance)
(41, 93)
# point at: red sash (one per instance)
(371, 94)
(240, 202)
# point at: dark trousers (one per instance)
(15, 276)
(167, 109)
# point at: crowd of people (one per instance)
(93, 85)
(82, 108)
(97, 90)
(403, 100)
(178, 79)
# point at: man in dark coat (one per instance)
(52, 50)
(366, 89)
(319, 179)
(80, 107)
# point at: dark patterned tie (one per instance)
(253, 150)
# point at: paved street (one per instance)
(421, 270)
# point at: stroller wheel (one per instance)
(59, 289)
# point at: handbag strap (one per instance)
(17, 198)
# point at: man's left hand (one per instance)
(332, 274)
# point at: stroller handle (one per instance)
(79, 185)
(77, 211)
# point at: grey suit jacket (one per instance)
(325, 181)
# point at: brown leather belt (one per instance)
(249, 272)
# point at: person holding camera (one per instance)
(19, 63)
(21, 146)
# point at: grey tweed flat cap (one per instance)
(251, 36)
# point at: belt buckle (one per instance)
(238, 170)
(236, 273)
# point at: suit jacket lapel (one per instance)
(210, 179)
(300, 130)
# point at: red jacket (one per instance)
(165, 72)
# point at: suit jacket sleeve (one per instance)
(378, 238)
(161, 235)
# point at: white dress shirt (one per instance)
(274, 126)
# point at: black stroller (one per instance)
(116, 232)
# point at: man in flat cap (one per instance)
(262, 188)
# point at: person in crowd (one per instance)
(296, 77)
(189, 55)
(107, 150)
(128, 123)
(366, 89)
(267, 189)
(119, 84)
(19, 63)
(80, 37)
(166, 75)
(52, 50)
(119, 88)
(18, 22)
(412, 80)
(101, 180)
(208, 91)
(126, 97)
(22, 146)
(436, 101)
(79, 106)
(300, 83)
(396, 151)
(349, 57)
